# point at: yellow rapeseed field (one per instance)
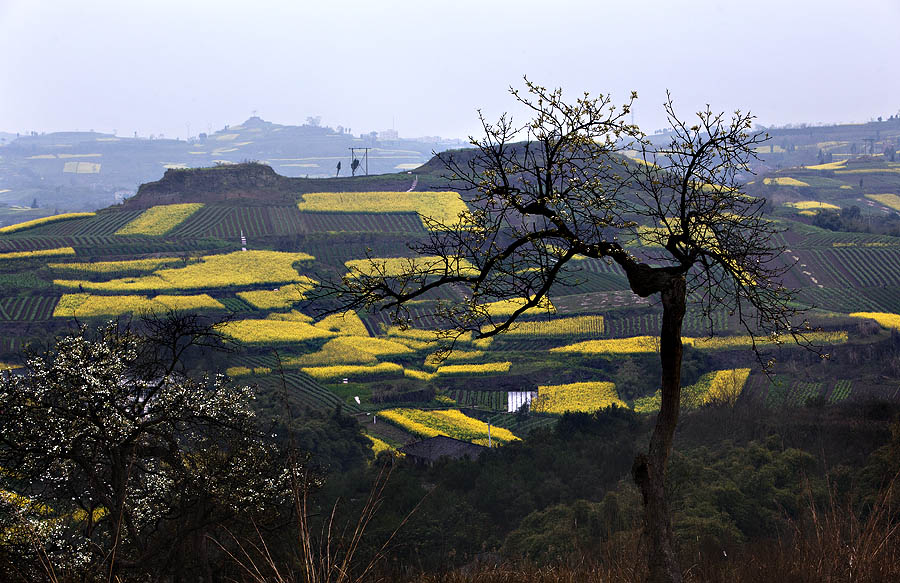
(728, 342)
(634, 344)
(573, 326)
(84, 305)
(292, 316)
(272, 331)
(160, 219)
(507, 307)
(584, 396)
(38, 253)
(43, 221)
(421, 339)
(375, 346)
(444, 207)
(727, 385)
(637, 344)
(785, 181)
(828, 166)
(280, 298)
(117, 266)
(885, 319)
(448, 422)
(230, 269)
(347, 371)
(722, 386)
(418, 374)
(378, 445)
(888, 200)
(811, 205)
(335, 351)
(487, 368)
(344, 323)
(421, 264)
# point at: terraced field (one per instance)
(195, 262)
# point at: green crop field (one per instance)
(195, 261)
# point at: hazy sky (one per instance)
(155, 66)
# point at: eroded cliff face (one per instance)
(249, 181)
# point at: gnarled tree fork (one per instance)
(577, 181)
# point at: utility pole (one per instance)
(354, 161)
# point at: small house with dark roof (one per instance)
(432, 449)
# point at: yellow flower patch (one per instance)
(418, 374)
(585, 397)
(727, 384)
(884, 319)
(160, 219)
(449, 422)
(488, 368)
(811, 205)
(85, 305)
(396, 266)
(722, 385)
(508, 307)
(829, 166)
(574, 326)
(283, 297)
(344, 323)
(349, 371)
(728, 342)
(117, 266)
(444, 207)
(38, 253)
(335, 351)
(43, 221)
(292, 316)
(271, 331)
(638, 344)
(230, 269)
(378, 445)
(785, 181)
(634, 344)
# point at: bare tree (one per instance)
(577, 180)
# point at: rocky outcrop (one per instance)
(248, 181)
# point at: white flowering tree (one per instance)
(115, 461)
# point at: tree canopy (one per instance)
(120, 462)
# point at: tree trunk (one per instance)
(649, 470)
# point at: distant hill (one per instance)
(82, 171)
